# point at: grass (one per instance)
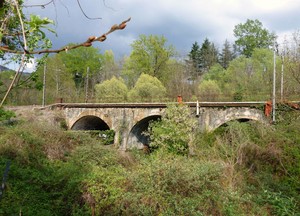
(242, 169)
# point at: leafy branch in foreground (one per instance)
(87, 43)
(25, 37)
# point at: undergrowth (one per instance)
(241, 169)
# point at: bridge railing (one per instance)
(155, 105)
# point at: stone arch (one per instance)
(81, 114)
(90, 122)
(136, 138)
(242, 114)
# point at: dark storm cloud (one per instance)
(180, 22)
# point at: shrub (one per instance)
(209, 90)
(162, 184)
(113, 90)
(147, 88)
(175, 132)
(6, 114)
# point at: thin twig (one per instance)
(39, 5)
(87, 43)
(90, 18)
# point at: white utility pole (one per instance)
(274, 87)
(281, 80)
(87, 84)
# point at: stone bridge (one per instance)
(130, 120)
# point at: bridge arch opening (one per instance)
(241, 120)
(90, 123)
(224, 126)
(136, 137)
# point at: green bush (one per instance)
(147, 88)
(6, 114)
(175, 132)
(167, 185)
(113, 90)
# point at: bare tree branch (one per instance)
(90, 18)
(87, 43)
(40, 5)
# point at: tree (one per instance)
(291, 62)
(147, 88)
(251, 35)
(251, 78)
(208, 55)
(209, 90)
(194, 54)
(226, 55)
(216, 73)
(25, 36)
(109, 67)
(79, 61)
(59, 81)
(113, 90)
(179, 83)
(195, 58)
(202, 58)
(150, 55)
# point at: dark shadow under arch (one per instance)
(241, 120)
(90, 123)
(136, 137)
(223, 127)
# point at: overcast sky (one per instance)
(181, 22)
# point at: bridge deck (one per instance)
(154, 105)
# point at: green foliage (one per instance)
(242, 168)
(215, 73)
(194, 56)
(261, 161)
(36, 23)
(175, 132)
(250, 77)
(203, 57)
(281, 204)
(147, 88)
(40, 181)
(27, 84)
(208, 55)
(251, 35)
(150, 55)
(227, 55)
(113, 90)
(59, 81)
(34, 30)
(6, 114)
(209, 90)
(78, 60)
(166, 185)
(109, 67)
(238, 94)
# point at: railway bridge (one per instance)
(129, 120)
